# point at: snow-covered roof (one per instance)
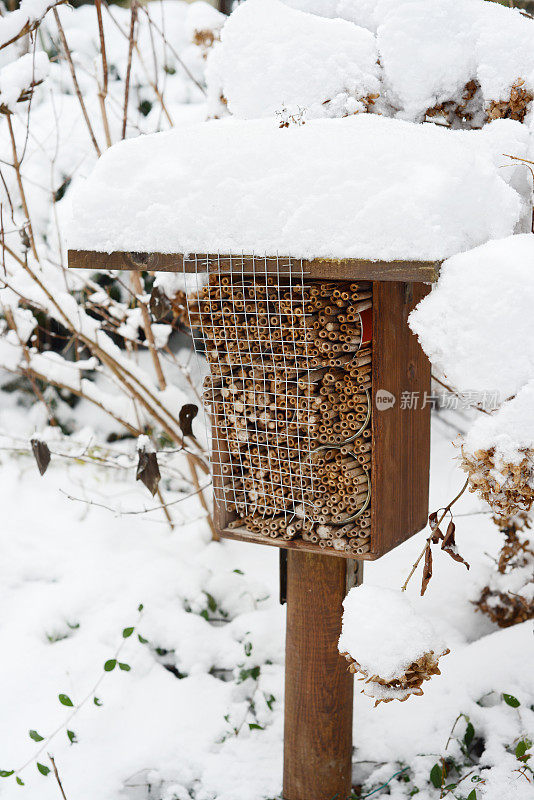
(363, 186)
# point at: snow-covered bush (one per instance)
(339, 57)
(392, 646)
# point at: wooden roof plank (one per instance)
(341, 269)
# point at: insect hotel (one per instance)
(309, 354)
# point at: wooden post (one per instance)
(319, 688)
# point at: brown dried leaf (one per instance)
(41, 454)
(427, 569)
(437, 536)
(185, 418)
(433, 520)
(148, 470)
(449, 545)
(160, 305)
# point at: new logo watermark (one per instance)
(411, 401)
(384, 399)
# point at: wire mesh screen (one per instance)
(289, 398)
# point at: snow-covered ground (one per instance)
(200, 712)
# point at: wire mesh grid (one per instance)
(288, 394)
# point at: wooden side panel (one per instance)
(319, 688)
(341, 269)
(401, 436)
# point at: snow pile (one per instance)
(273, 57)
(477, 326)
(430, 50)
(426, 50)
(384, 637)
(510, 430)
(18, 76)
(419, 54)
(363, 187)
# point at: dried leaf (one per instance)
(148, 470)
(159, 304)
(185, 418)
(433, 520)
(427, 569)
(41, 454)
(449, 545)
(437, 536)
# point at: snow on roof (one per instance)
(477, 325)
(359, 187)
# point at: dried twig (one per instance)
(75, 81)
(58, 779)
(430, 538)
(103, 89)
(131, 43)
(16, 167)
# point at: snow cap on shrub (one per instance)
(274, 57)
(477, 325)
(385, 639)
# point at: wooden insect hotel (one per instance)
(314, 450)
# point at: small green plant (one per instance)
(64, 699)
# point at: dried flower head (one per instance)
(399, 688)
(515, 107)
(507, 488)
(508, 599)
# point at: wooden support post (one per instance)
(319, 688)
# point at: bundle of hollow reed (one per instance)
(508, 598)
(507, 488)
(515, 107)
(399, 688)
(289, 396)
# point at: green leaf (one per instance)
(72, 737)
(510, 700)
(469, 734)
(212, 603)
(248, 648)
(110, 665)
(270, 701)
(5, 773)
(521, 749)
(140, 607)
(124, 667)
(97, 701)
(127, 632)
(65, 700)
(255, 727)
(204, 613)
(20, 781)
(142, 639)
(472, 795)
(42, 769)
(436, 776)
(239, 571)
(35, 736)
